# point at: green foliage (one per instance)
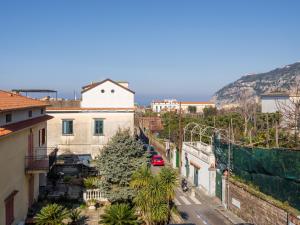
(192, 109)
(67, 179)
(119, 214)
(257, 127)
(154, 193)
(90, 182)
(116, 164)
(52, 214)
(169, 180)
(75, 216)
(210, 111)
(141, 177)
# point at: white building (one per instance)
(174, 105)
(105, 107)
(164, 105)
(198, 166)
(274, 102)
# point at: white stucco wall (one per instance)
(83, 140)
(199, 107)
(13, 149)
(273, 104)
(20, 115)
(94, 98)
(202, 156)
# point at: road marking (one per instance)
(195, 200)
(176, 202)
(203, 220)
(184, 199)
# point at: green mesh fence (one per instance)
(275, 171)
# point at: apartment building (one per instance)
(169, 105)
(86, 126)
(23, 154)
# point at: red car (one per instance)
(157, 160)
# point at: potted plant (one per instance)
(92, 203)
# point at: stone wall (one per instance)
(253, 209)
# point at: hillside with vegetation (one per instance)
(280, 79)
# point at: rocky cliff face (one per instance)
(281, 79)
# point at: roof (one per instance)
(11, 101)
(198, 103)
(10, 128)
(87, 109)
(34, 90)
(91, 86)
(275, 94)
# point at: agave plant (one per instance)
(119, 214)
(52, 214)
(90, 182)
(75, 216)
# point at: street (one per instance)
(200, 210)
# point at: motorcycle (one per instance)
(184, 185)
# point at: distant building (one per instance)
(174, 105)
(23, 154)
(85, 126)
(151, 123)
(273, 102)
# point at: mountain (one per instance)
(281, 79)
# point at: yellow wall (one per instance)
(13, 149)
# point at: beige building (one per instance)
(23, 155)
(168, 105)
(86, 126)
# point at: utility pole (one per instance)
(276, 134)
(268, 135)
(228, 162)
(180, 136)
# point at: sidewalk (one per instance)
(216, 204)
(213, 202)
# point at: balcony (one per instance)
(40, 163)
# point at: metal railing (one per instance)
(40, 160)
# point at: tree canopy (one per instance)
(116, 163)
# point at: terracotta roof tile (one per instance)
(89, 109)
(11, 101)
(8, 129)
(198, 103)
(90, 86)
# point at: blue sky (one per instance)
(164, 48)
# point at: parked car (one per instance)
(157, 160)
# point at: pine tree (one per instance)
(118, 160)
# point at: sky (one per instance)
(184, 49)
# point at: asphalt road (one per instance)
(197, 209)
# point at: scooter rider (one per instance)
(184, 184)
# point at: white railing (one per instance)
(93, 194)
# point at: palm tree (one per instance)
(119, 214)
(169, 180)
(151, 202)
(141, 177)
(52, 214)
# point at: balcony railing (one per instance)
(40, 162)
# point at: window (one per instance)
(42, 137)
(98, 127)
(102, 91)
(30, 113)
(8, 118)
(67, 127)
(112, 91)
(42, 111)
